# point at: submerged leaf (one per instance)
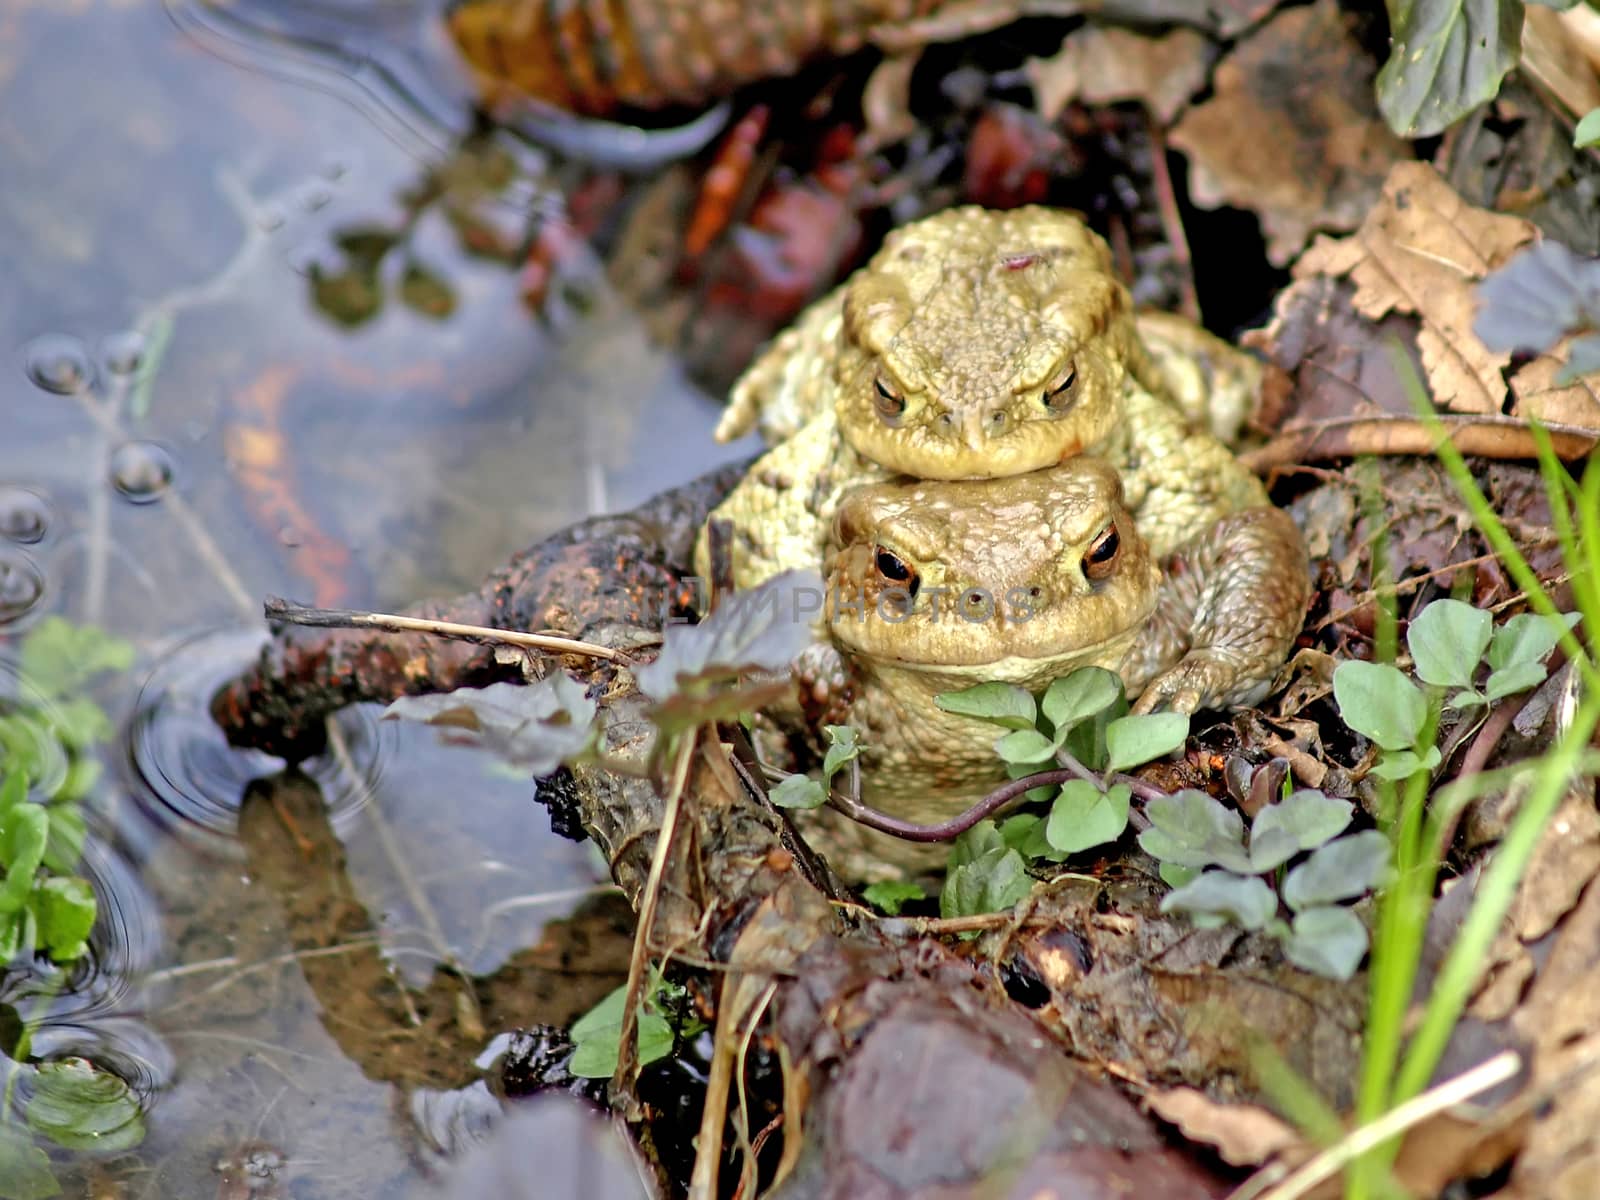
(65, 909)
(24, 1168)
(82, 1108)
(59, 657)
(24, 831)
(535, 726)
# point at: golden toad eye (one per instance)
(889, 403)
(1102, 555)
(1063, 395)
(894, 569)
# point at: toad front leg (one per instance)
(1231, 606)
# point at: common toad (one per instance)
(986, 345)
(932, 588)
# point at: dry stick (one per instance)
(620, 1083)
(1485, 435)
(736, 1024)
(1172, 220)
(277, 609)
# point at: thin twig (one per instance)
(1172, 220)
(277, 609)
(621, 1084)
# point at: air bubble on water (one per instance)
(59, 363)
(314, 258)
(313, 196)
(123, 353)
(21, 586)
(141, 471)
(24, 515)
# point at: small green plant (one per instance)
(1587, 133)
(1252, 883)
(49, 731)
(802, 791)
(47, 735)
(1082, 717)
(664, 1016)
(1451, 643)
(891, 895)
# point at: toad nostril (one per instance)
(997, 421)
(946, 424)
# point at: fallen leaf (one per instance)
(1560, 1017)
(1555, 58)
(1421, 252)
(1302, 146)
(1244, 1135)
(1103, 65)
(1539, 392)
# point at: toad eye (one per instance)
(1063, 395)
(894, 569)
(889, 403)
(1101, 558)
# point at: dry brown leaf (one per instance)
(1244, 1135)
(886, 101)
(1302, 145)
(1560, 1017)
(1421, 252)
(1103, 65)
(1582, 25)
(1539, 395)
(1553, 56)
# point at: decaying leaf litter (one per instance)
(1389, 243)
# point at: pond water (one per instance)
(257, 337)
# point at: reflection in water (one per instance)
(191, 782)
(385, 58)
(275, 1001)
